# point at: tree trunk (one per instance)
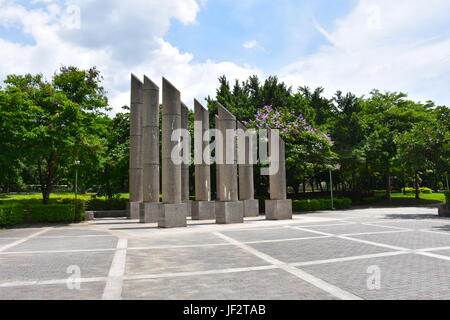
(388, 185)
(416, 185)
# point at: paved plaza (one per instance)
(379, 253)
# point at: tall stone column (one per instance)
(185, 167)
(150, 145)
(173, 211)
(228, 209)
(136, 155)
(217, 164)
(246, 179)
(202, 208)
(278, 207)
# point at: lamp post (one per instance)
(331, 168)
(76, 163)
(446, 178)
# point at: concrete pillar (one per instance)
(246, 179)
(217, 164)
(203, 208)
(185, 167)
(150, 145)
(278, 207)
(228, 209)
(173, 211)
(136, 155)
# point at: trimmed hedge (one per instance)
(107, 204)
(447, 196)
(11, 215)
(321, 204)
(80, 208)
(421, 190)
(53, 213)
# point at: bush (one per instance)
(426, 190)
(53, 213)
(107, 204)
(80, 208)
(421, 190)
(11, 215)
(374, 199)
(321, 204)
(447, 196)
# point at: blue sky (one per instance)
(348, 45)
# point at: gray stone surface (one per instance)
(136, 131)
(256, 285)
(246, 178)
(203, 210)
(209, 261)
(150, 142)
(185, 166)
(48, 266)
(134, 210)
(173, 215)
(278, 209)
(444, 210)
(251, 208)
(229, 212)
(154, 261)
(278, 189)
(316, 249)
(151, 212)
(171, 120)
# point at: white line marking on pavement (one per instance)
(47, 282)
(389, 227)
(433, 255)
(356, 240)
(113, 287)
(375, 232)
(319, 283)
(368, 256)
(437, 232)
(198, 273)
(16, 243)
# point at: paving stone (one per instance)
(268, 234)
(252, 285)
(350, 228)
(181, 240)
(403, 277)
(30, 267)
(409, 240)
(69, 232)
(188, 259)
(88, 291)
(43, 244)
(316, 249)
(17, 233)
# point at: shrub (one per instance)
(373, 199)
(447, 196)
(321, 204)
(426, 190)
(107, 204)
(53, 213)
(80, 208)
(11, 215)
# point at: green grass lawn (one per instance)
(38, 196)
(405, 200)
(434, 196)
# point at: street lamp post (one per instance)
(331, 168)
(77, 163)
(331, 188)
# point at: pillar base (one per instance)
(229, 212)
(150, 212)
(251, 208)
(134, 210)
(279, 209)
(189, 208)
(173, 215)
(444, 210)
(203, 210)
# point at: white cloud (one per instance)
(252, 44)
(119, 37)
(390, 45)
